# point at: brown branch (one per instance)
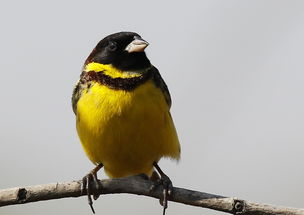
(138, 185)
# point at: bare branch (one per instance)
(138, 185)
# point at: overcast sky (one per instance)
(234, 70)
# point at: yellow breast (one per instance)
(126, 130)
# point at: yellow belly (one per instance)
(126, 130)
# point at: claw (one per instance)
(167, 187)
(97, 184)
(167, 190)
(89, 182)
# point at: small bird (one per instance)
(122, 107)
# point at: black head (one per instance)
(123, 50)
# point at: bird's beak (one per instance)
(137, 45)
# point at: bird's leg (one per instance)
(88, 182)
(166, 183)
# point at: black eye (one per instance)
(112, 46)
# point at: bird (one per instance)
(123, 120)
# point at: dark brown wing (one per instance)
(76, 95)
(159, 82)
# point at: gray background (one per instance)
(235, 72)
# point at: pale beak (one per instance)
(137, 45)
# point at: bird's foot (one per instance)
(167, 186)
(90, 183)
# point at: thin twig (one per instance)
(140, 186)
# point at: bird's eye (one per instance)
(112, 46)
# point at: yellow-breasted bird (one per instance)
(122, 108)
